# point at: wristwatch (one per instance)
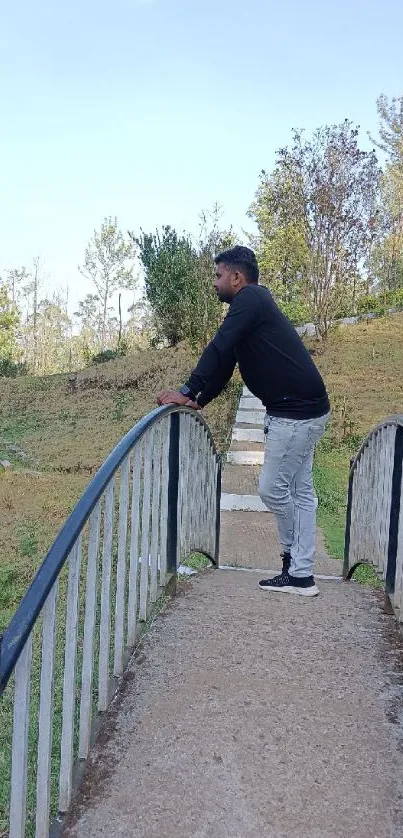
(186, 391)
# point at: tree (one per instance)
(9, 320)
(53, 327)
(391, 130)
(108, 263)
(168, 260)
(206, 311)
(179, 277)
(387, 258)
(314, 215)
(17, 279)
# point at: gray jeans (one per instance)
(286, 485)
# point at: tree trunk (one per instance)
(35, 318)
(120, 322)
(103, 328)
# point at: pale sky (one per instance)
(152, 110)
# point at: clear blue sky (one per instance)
(151, 110)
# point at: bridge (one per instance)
(223, 711)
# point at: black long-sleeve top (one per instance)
(273, 361)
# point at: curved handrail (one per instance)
(395, 419)
(385, 561)
(15, 636)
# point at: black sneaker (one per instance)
(305, 585)
(286, 557)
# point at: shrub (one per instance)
(109, 355)
(9, 369)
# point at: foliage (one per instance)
(108, 263)
(370, 303)
(168, 262)
(8, 324)
(109, 355)
(179, 276)
(387, 257)
(10, 369)
(314, 214)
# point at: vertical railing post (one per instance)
(346, 564)
(173, 480)
(394, 511)
(217, 514)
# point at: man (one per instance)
(278, 369)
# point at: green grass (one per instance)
(197, 561)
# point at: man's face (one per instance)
(224, 283)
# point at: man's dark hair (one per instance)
(242, 259)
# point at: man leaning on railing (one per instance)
(278, 369)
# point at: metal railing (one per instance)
(374, 526)
(154, 500)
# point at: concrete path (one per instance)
(246, 714)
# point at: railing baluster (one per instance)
(164, 499)
(19, 763)
(89, 629)
(45, 725)
(121, 567)
(105, 618)
(156, 491)
(69, 685)
(145, 523)
(134, 548)
(196, 486)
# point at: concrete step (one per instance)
(248, 435)
(245, 458)
(242, 503)
(241, 480)
(250, 417)
(246, 446)
(251, 403)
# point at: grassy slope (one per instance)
(362, 366)
(60, 436)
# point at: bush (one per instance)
(370, 303)
(108, 355)
(398, 298)
(9, 369)
(296, 311)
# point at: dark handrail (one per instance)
(22, 622)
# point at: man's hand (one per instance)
(171, 397)
(175, 397)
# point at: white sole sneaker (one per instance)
(313, 590)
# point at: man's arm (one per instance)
(241, 318)
(206, 380)
(218, 381)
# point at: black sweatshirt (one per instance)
(273, 361)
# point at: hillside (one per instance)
(57, 430)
